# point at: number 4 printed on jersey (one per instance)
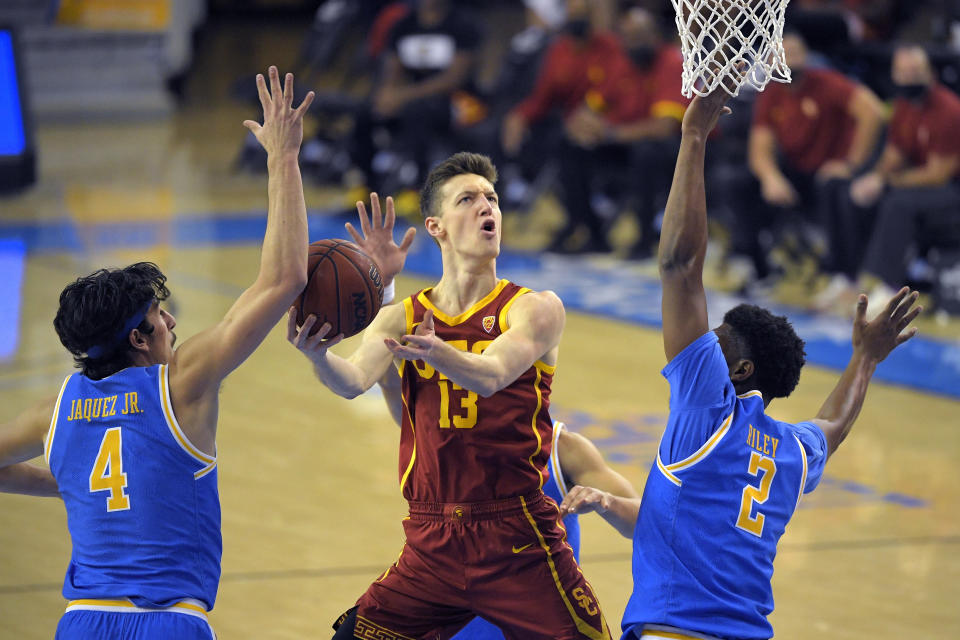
(107, 473)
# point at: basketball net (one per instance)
(730, 44)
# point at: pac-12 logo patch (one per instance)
(488, 323)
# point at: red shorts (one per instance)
(507, 561)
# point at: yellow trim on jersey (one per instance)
(454, 320)
(189, 607)
(408, 314)
(48, 440)
(672, 478)
(413, 454)
(665, 632)
(750, 394)
(536, 432)
(582, 625)
(365, 628)
(207, 469)
(703, 451)
(667, 109)
(506, 309)
(555, 467)
(803, 478)
(174, 426)
(546, 368)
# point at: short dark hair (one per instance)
(457, 164)
(94, 310)
(772, 345)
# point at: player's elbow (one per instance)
(487, 388)
(676, 261)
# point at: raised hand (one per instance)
(282, 128)
(376, 239)
(314, 347)
(418, 346)
(584, 500)
(878, 337)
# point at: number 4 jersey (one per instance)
(456, 446)
(141, 500)
(726, 481)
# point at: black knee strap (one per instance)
(345, 624)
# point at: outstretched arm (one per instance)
(204, 361)
(872, 342)
(683, 238)
(21, 439)
(349, 377)
(598, 487)
(535, 325)
(371, 361)
(28, 480)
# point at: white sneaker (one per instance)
(877, 299)
(838, 287)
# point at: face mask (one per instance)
(642, 56)
(578, 28)
(913, 92)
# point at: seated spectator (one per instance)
(915, 179)
(807, 137)
(619, 105)
(429, 57)
(517, 76)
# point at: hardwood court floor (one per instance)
(311, 511)
(311, 507)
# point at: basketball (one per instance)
(343, 288)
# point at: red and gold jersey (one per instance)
(456, 446)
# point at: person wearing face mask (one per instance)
(807, 139)
(578, 75)
(917, 178)
(634, 131)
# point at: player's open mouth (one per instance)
(489, 227)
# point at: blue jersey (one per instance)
(556, 488)
(142, 503)
(726, 481)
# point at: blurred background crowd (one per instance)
(846, 179)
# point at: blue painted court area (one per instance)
(607, 290)
(12, 258)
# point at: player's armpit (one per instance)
(22, 438)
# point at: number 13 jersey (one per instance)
(142, 502)
(456, 446)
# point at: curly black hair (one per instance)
(772, 345)
(94, 309)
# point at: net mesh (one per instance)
(730, 44)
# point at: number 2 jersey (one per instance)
(456, 446)
(726, 481)
(142, 504)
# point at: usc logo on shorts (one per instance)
(585, 601)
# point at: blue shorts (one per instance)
(479, 629)
(131, 623)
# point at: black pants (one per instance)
(416, 128)
(643, 170)
(900, 215)
(753, 221)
